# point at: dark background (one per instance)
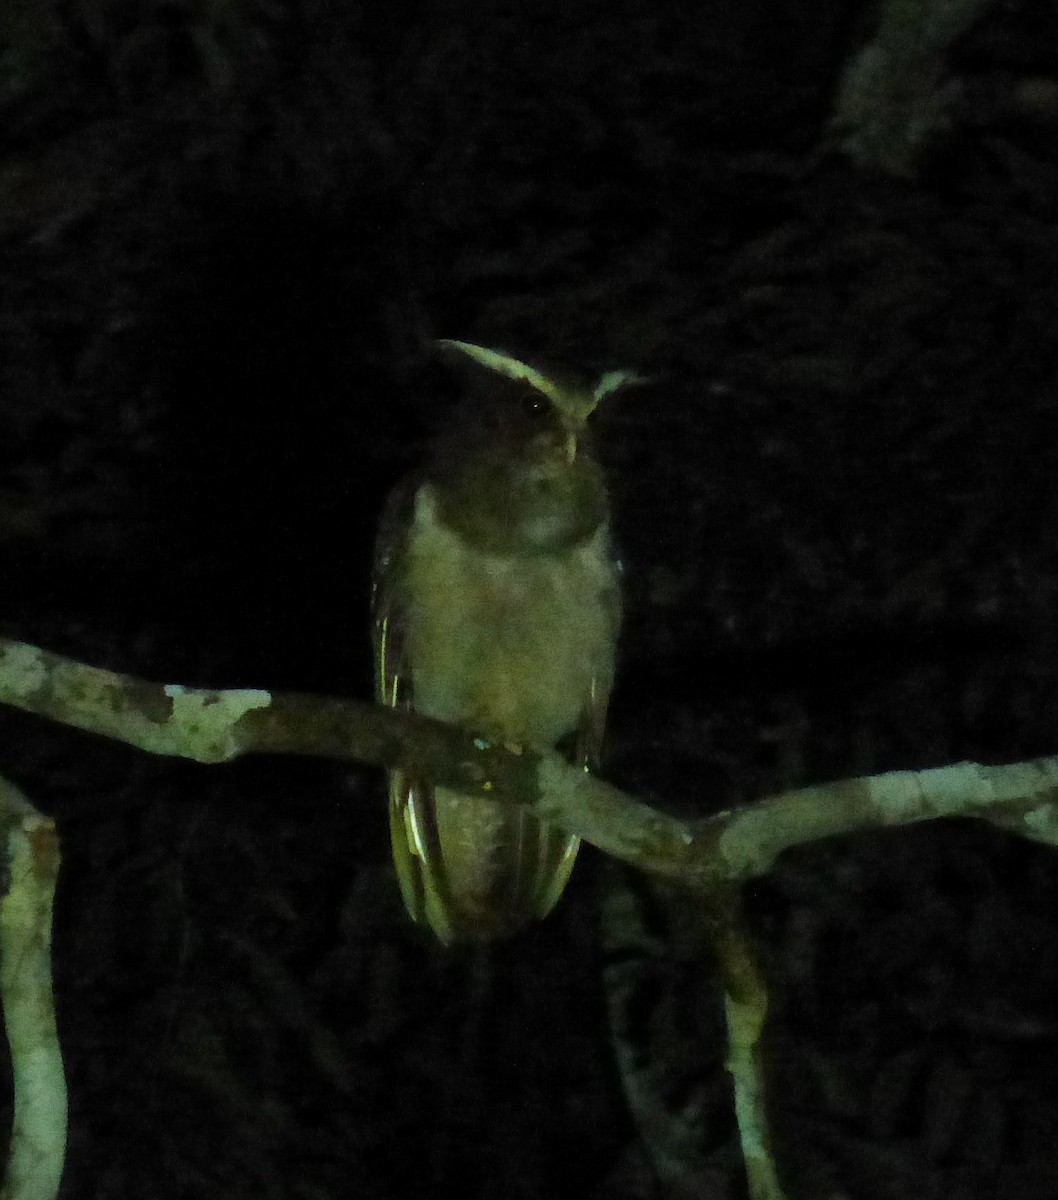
(227, 233)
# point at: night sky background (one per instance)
(228, 233)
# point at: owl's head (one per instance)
(514, 474)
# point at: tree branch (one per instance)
(710, 856)
(725, 848)
(38, 1126)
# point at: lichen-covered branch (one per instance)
(711, 856)
(728, 847)
(746, 1011)
(38, 1130)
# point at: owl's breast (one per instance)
(510, 645)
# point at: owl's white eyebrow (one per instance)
(504, 364)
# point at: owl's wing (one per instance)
(588, 747)
(386, 624)
(583, 749)
(412, 840)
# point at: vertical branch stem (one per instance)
(746, 1006)
(38, 1134)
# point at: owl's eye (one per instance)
(533, 406)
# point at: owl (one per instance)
(496, 607)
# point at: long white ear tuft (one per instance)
(504, 364)
(574, 400)
(610, 381)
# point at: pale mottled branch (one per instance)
(745, 1024)
(728, 847)
(38, 1130)
(1020, 797)
(212, 726)
(711, 856)
(746, 1011)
